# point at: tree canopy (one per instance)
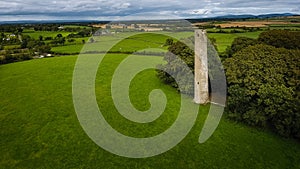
(263, 88)
(281, 38)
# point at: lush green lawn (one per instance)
(74, 48)
(225, 39)
(37, 34)
(144, 41)
(121, 43)
(39, 127)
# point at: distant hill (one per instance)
(224, 17)
(263, 16)
(238, 17)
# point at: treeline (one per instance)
(234, 30)
(34, 45)
(10, 58)
(45, 27)
(11, 28)
(24, 50)
(263, 79)
(81, 34)
(58, 27)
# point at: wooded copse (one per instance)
(262, 78)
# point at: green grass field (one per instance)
(36, 34)
(147, 40)
(40, 129)
(225, 39)
(131, 44)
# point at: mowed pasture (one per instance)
(223, 40)
(147, 40)
(40, 129)
(124, 42)
(36, 34)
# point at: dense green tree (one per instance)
(169, 42)
(174, 65)
(48, 38)
(10, 58)
(263, 88)
(19, 30)
(59, 41)
(71, 40)
(59, 35)
(43, 49)
(24, 44)
(238, 44)
(281, 38)
(41, 38)
(2, 36)
(25, 40)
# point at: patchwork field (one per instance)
(253, 24)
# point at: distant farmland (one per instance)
(253, 24)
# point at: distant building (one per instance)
(152, 29)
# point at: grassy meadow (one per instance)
(223, 41)
(39, 127)
(131, 44)
(36, 34)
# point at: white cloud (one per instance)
(74, 9)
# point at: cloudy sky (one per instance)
(142, 9)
